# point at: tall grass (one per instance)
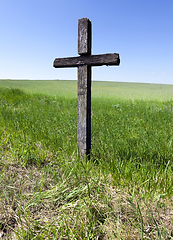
(47, 192)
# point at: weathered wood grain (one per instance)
(84, 36)
(90, 60)
(84, 110)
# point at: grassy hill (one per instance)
(111, 90)
(124, 192)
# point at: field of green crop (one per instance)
(125, 191)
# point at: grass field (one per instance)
(124, 192)
(108, 90)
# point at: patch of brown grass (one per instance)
(118, 215)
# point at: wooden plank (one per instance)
(90, 60)
(84, 36)
(84, 110)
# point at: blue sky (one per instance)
(35, 32)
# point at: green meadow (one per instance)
(125, 191)
(106, 90)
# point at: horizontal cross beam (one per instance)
(90, 60)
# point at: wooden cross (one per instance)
(84, 63)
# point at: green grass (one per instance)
(124, 192)
(101, 90)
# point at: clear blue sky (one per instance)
(35, 32)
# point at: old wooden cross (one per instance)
(84, 63)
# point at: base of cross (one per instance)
(84, 62)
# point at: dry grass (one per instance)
(31, 208)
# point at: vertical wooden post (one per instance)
(84, 36)
(84, 110)
(84, 89)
